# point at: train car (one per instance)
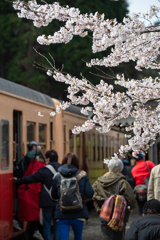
(20, 124)
(91, 147)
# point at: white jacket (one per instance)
(154, 184)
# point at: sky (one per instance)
(142, 6)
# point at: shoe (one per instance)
(38, 236)
(16, 225)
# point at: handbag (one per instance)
(140, 193)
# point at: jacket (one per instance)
(105, 186)
(140, 171)
(28, 195)
(29, 156)
(154, 182)
(144, 228)
(44, 176)
(85, 189)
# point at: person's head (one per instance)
(114, 164)
(51, 156)
(138, 155)
(69, 159)
(151, 207)
(32, 145)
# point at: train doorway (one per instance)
(17, 134)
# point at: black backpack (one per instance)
(19, 168)
(71, 199)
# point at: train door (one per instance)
(17, 138)
(17, 150)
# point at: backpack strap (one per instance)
(52, 169)
(81, 175)
(147, 167)
(117, 187)
(49, 192)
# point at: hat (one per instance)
(153, 204)
(138, 154)
(33, 143)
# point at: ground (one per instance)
(92, 227)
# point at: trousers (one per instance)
(48, 216)
(64, 227)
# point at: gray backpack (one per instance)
(70, 199)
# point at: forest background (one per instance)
(18, 37)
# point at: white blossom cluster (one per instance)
(130, 40)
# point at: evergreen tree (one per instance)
(18, 37)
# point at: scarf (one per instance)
(106, 210)
(117, 221)
(115, 204)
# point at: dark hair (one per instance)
(71, 158)
(52, 154)
(29, 146)
(151, 207)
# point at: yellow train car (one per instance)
(20, 124)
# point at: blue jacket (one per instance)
(43, 175)
(85, 188)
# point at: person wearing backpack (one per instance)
(72, 188)
(105, 189)
(34, 150)
(44, 176)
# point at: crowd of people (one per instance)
(57, 193)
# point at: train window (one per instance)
(42, 138)
(106, 145)
(4, 144)
(93, 148)
(89, 146)
(51, 131)
(78, 145)
(112, 141)
(30, 131)
(51, 135)
(102, 146)
(109, 146)
(64, 138)
(99, 148)
(71, 141)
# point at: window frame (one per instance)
(5, 120)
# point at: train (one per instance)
(21, 124)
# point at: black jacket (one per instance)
(43, 175)
(144, 228)
(85, 190)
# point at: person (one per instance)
(45, 176)
(148, 226)
(104, 187)
(153, 186)
(140, 172)
(127, 171)
(69, 168)
(28, 194)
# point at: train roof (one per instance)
(25, 92)
(74, 109)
